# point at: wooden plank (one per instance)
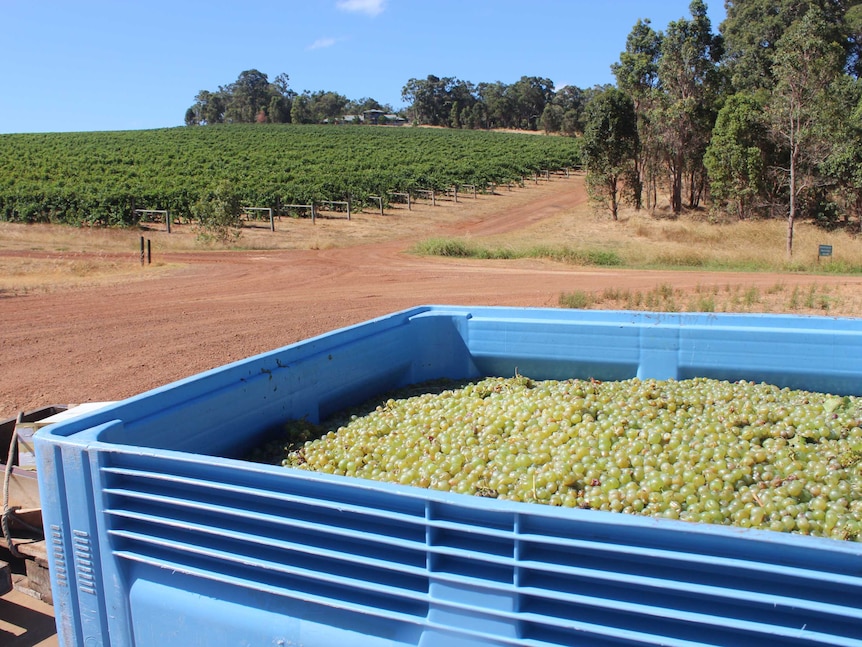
(38, 581)
(5, 578)
(26, 520)
(35, 550)
(23, 487)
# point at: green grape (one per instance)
(744, 454)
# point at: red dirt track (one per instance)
(111, 342)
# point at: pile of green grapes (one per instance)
(742, 454)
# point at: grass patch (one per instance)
(452, 247)
(793, 303)
(459, 248)
(578, 300)
(603, 258)
(704, 303)
(599, 257)
(607, 258)
(839, 267)
(815, 299)
(681, 260)
(751, 296)
(701, 260)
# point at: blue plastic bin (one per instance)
(157, 537)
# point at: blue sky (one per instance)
(83, 65)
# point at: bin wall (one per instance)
(159, 538)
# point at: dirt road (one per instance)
(110, 342)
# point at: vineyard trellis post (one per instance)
(402, 195)
(379, 200)
(268, 210)
(301, 206)
(430, 193)
(332, 204)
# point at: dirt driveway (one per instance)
(112, 341)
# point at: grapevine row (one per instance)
(103, 177)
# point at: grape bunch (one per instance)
(735, 453)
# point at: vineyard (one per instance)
(102, 178)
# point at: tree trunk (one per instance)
(676, 192)
(692, 190)
(695, 188)
(790, 218)
(676, 164)
(652, 193)
(639, 181)
(794, 160)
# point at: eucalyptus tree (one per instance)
(844, 164)
(610, 145)
(460, 100)
(327, 106)
(736, 159)
(530, 95)
(281, 99)
(571, 102)
(637, 75)
(806, 63)
(551, 120)
(249, 95)
(690, 82)
(752, 29)
(251, 98)
(431, 98)
(478, 116)
(301, 109)
(499, 110)
(209, 108)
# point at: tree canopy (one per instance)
(761, 115)
(610, 147)
(252, 98)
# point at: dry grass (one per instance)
(55, 238)
(25, 275)
(44, 258)
(70, 257)
(692, 241)
(808, 299)
(330, 230)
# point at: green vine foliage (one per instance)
(218, 214)
(101, 178)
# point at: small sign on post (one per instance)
(824, 250)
